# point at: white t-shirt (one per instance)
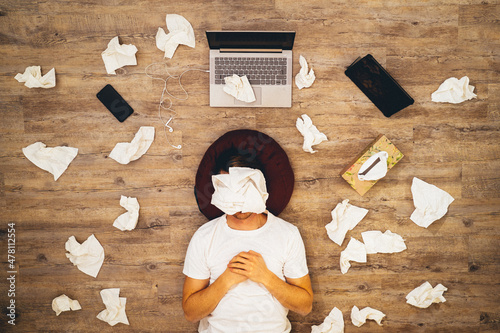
(248, 306)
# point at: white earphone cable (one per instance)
(167, 124)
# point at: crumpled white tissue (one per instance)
(125, 152)
(54, 160)
(344, 218)
(180, 31)
(115, 307)
(378, 171)
(312, 136)
(359, 317)
(333, 323)
(431, 202)
(454, 91)
(239, 88)
(88, 256)
(33, 78)
(354, 251)
(242, 190)
(128, 220)
(424, 295)
(304, 79)
(64, 303)
(387, 242)
(117, 56)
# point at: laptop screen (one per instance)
(250, 39)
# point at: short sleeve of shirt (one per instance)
(195, 263)
(295, 265)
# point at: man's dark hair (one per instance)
(233, 157)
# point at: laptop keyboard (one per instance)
(263, 71)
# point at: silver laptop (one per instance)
(265, 57)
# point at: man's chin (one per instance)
(242, 216)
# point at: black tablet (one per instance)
(378, 85)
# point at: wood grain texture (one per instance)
(455, 147)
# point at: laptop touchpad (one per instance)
(258, 98)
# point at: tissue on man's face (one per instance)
(241, 190)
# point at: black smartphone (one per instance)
(115, 103)
(378, 85)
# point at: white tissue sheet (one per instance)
(333, 323)
(115, 307)
(180, 31)
(378, 171)
(128, 220)
(54, 160)
(359, 317)
(242, 190)
(312, 136)
(32, 77)
(64, 303)
(344, 218)
(355, 251)
(117, 56)
(424, 295)
(454, 91)
(431, 202)
(378, 242)
(88, 256)
(303, 79)
(239, 87)
(125, 152)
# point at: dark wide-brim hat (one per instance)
(276, 169)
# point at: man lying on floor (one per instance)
(247, 268)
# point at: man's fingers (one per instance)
(239, 272)
(245, 255)
(240, 260)
(236, 265)
(238, 269)
(251, 252)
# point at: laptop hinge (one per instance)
(252, 50)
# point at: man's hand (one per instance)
(252, 266)
(231, 279)
(294, 294)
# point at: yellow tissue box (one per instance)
(350, 173)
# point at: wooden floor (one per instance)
(455, 147)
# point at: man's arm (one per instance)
(199, 299)
(294, 294)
